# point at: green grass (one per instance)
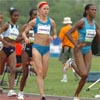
(53, 86)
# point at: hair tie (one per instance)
(42, 4)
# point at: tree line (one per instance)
(58, 9)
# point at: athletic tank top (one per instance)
(88, 32)
(31, 35)
(12, 32)
(41, 27)
(1, 44)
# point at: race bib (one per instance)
(31, 35)
(13, 34)
(1, 45)
(90, 34)
(43, 29)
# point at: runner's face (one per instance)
(92, 11)
(34, 14)
(44, 10)
(15, 16)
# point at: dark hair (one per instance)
(12, 10)
(86, 8)
(31, 11)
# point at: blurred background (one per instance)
(58, 9)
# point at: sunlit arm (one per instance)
(4, 28)
(54, 35)
(78, 25)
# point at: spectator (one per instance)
(67, 47)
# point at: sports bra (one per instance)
(12, 32)
(88, 32)
(42, 27)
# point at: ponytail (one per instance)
(12, 10)
(86, 8)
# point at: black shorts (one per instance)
(28, 49)
(8, 50)
(18, 58)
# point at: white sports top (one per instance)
(31, 38)
(12, 32)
